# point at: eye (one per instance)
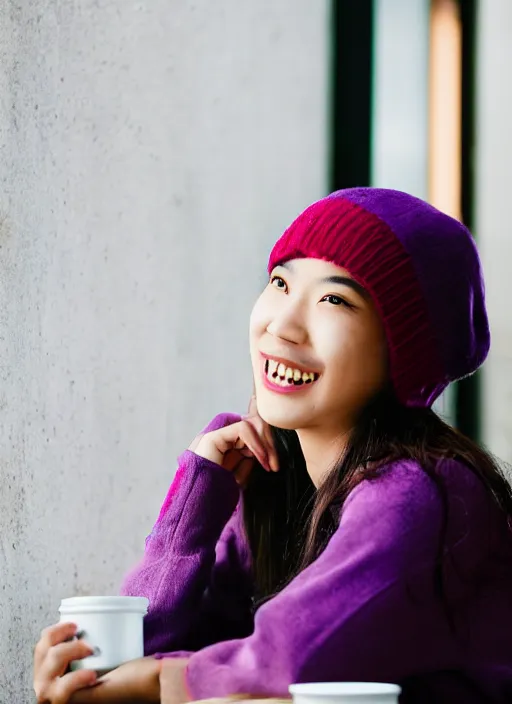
(337, 301)
(278, 282)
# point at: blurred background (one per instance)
(150, 155)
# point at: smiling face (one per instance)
(317, 346)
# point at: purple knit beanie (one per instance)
(422, 270)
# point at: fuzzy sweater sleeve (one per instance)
(196, 568)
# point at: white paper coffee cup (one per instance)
(345, 693)
(113, 625)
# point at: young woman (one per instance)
(341, 531)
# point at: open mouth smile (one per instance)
(280, 377)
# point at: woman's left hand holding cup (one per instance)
(55, 650)
(135, 681)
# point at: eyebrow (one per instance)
(339, 280)
(345, 281)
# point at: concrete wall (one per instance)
(150, 153)
(493, 221)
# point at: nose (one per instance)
(288, 323)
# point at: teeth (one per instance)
(272, 368)
(284, 376)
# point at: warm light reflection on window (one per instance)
(445, 90)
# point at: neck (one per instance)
(321, 450)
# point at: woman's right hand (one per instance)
(55, 650)
(235, 447)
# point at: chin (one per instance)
(281, 418)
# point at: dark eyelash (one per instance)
(342, 300)
(275, 277)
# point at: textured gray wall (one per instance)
(493, 221)
(150, 153)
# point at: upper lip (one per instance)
(289, 363)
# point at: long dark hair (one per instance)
(289, 523)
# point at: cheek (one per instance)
(356, 352)
(371, 355)
(258, 321)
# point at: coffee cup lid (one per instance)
(77, 604)
(330, 689)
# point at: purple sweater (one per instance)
(366, 609)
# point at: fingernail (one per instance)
(96, 651)
(79, 634)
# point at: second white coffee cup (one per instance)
(345, 693)
(113, 625)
